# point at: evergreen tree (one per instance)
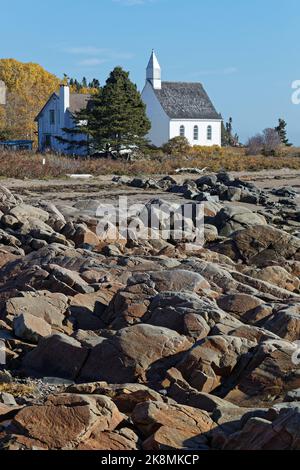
(94, 84)
(77, 85)
(281, 131)
(117, 119)
(84, 83)
(228, 138)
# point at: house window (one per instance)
(196, 133)
(52, 116)
(47, 141)
(209, 133)
(182, 131)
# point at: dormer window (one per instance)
(182, 131)
(52, 116)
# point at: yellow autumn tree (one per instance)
(28, 87)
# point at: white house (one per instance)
(57, 115)
(179, 109)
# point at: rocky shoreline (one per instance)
(131, 344)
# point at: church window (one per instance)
(209, 133)
(196, 133)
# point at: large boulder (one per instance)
(233, 218)
(239, 304)
(7, 199)
(171, 427)
(31, 328)
(184, 312)
(56, 356)
(132, 352)
(285, 323)
(281, 433)
(211, 362)
(177, 280)
(23, 212)
(65, 421)
(45, 305)
(124, 439)
(278, 276)
(260, 245)
(271, 373)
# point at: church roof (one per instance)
(186, 101)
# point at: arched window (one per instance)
(196, 133)
(209, 133)
(182, 131)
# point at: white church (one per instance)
(174, 109)
(179, 109)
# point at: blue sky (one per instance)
(245, 52)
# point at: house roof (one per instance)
(186, 101)
(78, 101)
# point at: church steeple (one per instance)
(154, 72)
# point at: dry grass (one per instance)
(26, 165)
(17, 390)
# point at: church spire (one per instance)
(154, 72)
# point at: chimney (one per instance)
(64, 103)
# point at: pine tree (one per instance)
(281, 130)
(84, 83)
(117, 120)
(94, 84)
(228, 139)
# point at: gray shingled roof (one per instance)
(186, 101)
(78, 102)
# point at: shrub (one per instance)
(266, 143)
(29, 165)
(271, 141)
(177, 146)
(255, 145)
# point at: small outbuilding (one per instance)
(16, 145)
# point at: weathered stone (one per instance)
(41, 304)
(259, 245)
(172, 426)
(70, 278)
(131, 353)
(85, 236)
(183, 312)
(279, 277)
(56, 356)
(231, 219)
(212, 360)
(30, 328)
(260, 434)
(270, 374)
(124, 439)
(285, 323)
(65, 421)
(238, 304)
